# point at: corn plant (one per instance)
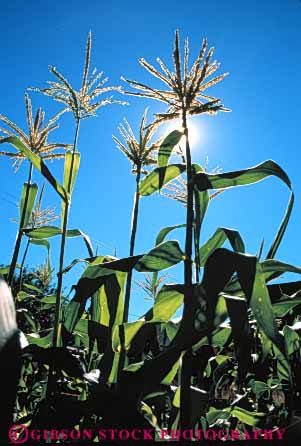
(37, 142)
(184, 97)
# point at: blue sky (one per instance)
(258, 42)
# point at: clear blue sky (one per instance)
(257, 41)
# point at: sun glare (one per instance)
(193, 134)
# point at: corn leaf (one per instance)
(159, 177)
(39, 164)
(29, 190)
(244, 177)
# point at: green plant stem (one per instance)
(132, 247)
(51, 388)
(185, 406)
(129, 276)
(20, 231)
(22, 264)
(197, 228)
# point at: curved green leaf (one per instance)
(161, 257)
(218, 239)
(159, 239)
(45, 232)
(251, 175)
(168, 301)
(282, 308)
(165, 231)
(167, 146)
(38, 163)
(159, 177)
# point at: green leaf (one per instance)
(218, 339)
(165, 231)
(161, 257)
(263, 310)
(247, 417)
(168, 301)
(282, 308)
(292, 341)
(45, 232)
(110, 284)
(23, 295)
(68, 180)
(238, 313)
(169, 378)
(5, 269)
(259, 388)
(67, 169)
(251, 175)
(213, 415)
(38, 163)
(49, 299)
(45, 341)
(273, 268)
(201, 203)
(42, 242)
(218, 239)
(159, 239)
(89, 331)
(167, 146)
(159, 177)
(29, 190)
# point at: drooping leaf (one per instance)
(110, 285)
(38, 163)
(161, 257)
(159, 239)
(218, 239)
(159, 177)
(274, 268)
(45, 232)
(165, 231)
(251, 175)
(30, 191)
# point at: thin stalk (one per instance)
(197, 227)
(51, 387)
(132, 246)
(129, 276)
(20, 231)
(22, 264)
(185, 410)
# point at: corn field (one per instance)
(219, 351)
